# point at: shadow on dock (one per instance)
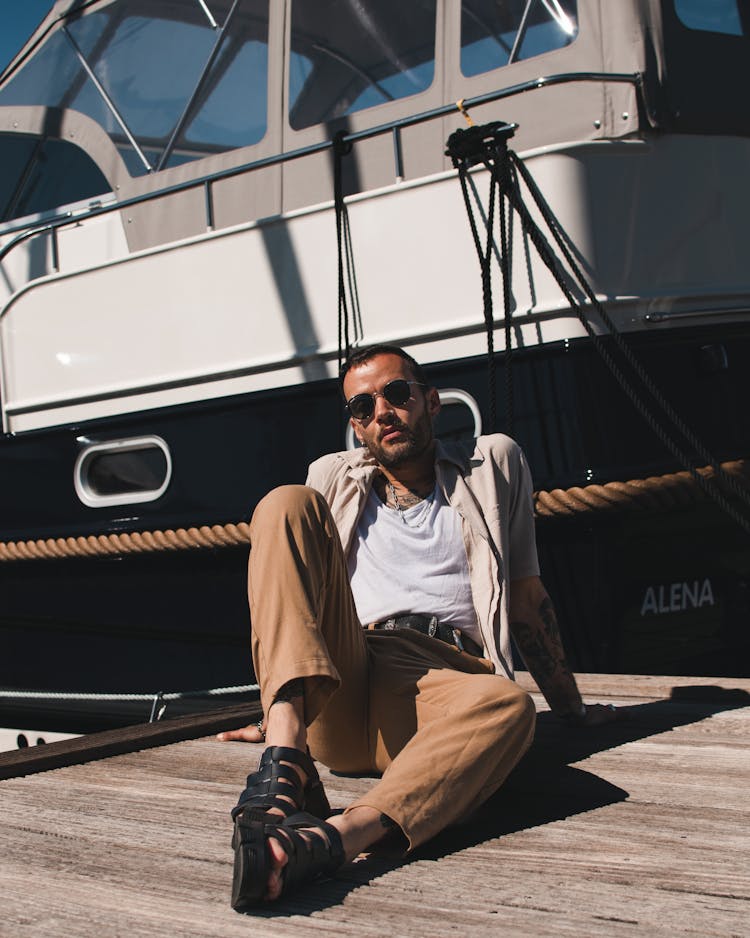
(545, 787)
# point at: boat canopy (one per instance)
(106, 92)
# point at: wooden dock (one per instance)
(640, 828)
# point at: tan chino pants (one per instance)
(439, 724)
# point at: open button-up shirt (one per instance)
(488, 482)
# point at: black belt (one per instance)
(429, 625)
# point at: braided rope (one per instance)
(135, 542)
(664, 492)
(656, 493)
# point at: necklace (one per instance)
(421, 517)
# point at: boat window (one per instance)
(223, 114)
(494, 34)
(719, 16)
(122, 471)
(348, 56)
(148, 71)
(39, 175)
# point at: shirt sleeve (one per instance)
(523, 559)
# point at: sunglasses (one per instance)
(397, 393)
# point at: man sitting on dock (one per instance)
(430, 546)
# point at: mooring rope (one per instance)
(656, 493)
(135, 542)
(663, 492)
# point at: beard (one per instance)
(417, 441)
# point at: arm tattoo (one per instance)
(290, 691)
(540, 644)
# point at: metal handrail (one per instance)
(393, 127)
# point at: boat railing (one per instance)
(207, 181)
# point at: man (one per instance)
(431, 547)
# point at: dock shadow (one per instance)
(546, 786)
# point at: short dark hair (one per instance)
(361, 355)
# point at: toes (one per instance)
(279, 860)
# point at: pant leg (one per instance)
(304, 622)
(445, 730)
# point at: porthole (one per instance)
(121, 472)
(459, 418)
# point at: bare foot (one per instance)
(279, 860)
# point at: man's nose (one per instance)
(382, 406)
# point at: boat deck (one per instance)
(640, 828)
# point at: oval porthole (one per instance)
(121, 472)
(459, 418)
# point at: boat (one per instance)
(205, 201)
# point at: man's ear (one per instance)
(433, 402)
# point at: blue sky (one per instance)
(18, 20)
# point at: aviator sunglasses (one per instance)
(397, 393)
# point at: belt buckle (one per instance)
(432, 626)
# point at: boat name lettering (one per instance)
(677, 597)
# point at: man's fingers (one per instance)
(597, 714)
(246, 734)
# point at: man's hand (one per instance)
(596, 715)
(252, 733)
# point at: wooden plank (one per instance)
(124, 739)
(142, 736)
(639, 829)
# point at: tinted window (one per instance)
(151, 60)
(718, 16)
(45, 174)
(141, 470)
(494, 34)
(15, 155)
(231, 108)
(347, 56)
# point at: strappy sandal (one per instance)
(316, 852)
(276, 785)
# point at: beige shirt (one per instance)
(488, 482)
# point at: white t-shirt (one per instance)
(412, 564)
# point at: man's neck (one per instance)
(416, 476)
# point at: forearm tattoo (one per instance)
(541, 646)
(290, 691)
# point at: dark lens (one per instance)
(397, 392)
(361, 406)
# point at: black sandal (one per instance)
(279, 786)
(316, 852)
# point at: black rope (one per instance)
(505, 242)
(488, 145)
(455, 151)
(347, 277)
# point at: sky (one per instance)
(18, 20)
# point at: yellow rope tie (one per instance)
(462, 109)
(656, 493)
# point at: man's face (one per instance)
(393, 434)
